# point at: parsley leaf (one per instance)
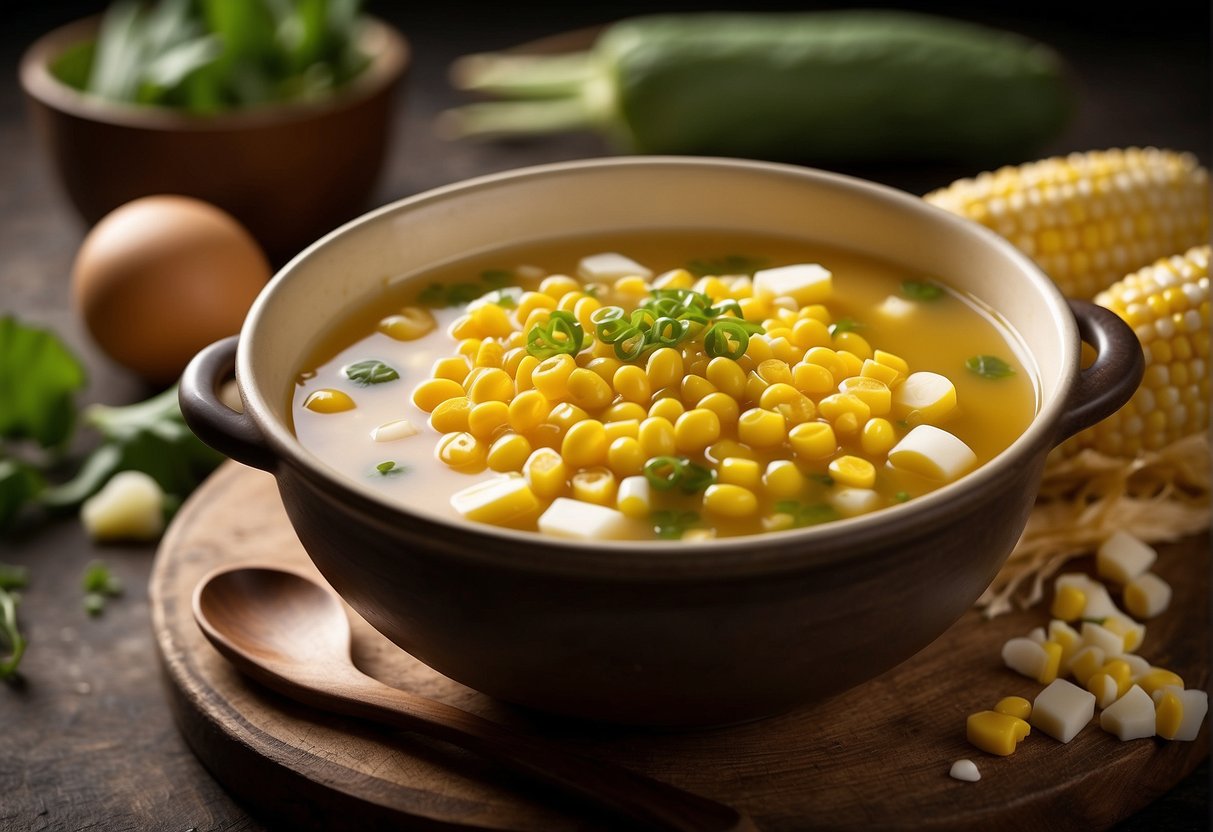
(989, 366)
(371, 371)
(921, 290)
(39, 378)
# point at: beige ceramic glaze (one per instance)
(646, 632)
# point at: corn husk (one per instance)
(1158, 496)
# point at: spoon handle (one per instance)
(651, 802)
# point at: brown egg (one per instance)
(159, 278)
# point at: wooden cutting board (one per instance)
(877, 757)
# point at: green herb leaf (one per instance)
(901, 496)
(844, 325)
(13, 577)
(10, 634)
(804, 515)
(989, 366)
(921, 290)
(19, 485)
(151, 437)
(371, 371)
(389, 468)
(561, 334)
(665, 473)
(39, 378)
(729, 264)
(671, 525)
(98, 578)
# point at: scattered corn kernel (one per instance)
(854, 471)
(585, 445)
(1015, 706)
(695, 430)
(410, 324)
(813, 440)
(595, 485)
(996, 733)
(463, 452)
(546, 473)
(730, 500)
(333, 401)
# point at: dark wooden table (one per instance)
(86, 738)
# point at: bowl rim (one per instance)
(751, 555)
(387, 47)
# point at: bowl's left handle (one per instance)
(227, 431)
(1112, 379)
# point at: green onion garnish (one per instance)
(671, 316)
(561, 334)
(666, 473)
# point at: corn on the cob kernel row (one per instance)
(1088, 219)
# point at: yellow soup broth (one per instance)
(425, 400)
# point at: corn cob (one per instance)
(1088, 219)
(1167, 304)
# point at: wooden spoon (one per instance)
(292, 635)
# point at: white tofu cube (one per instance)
(1131, 717)
(499, 500)
(851, 502)
(1122, 557)
(635, 497)
(1025, 656)
(896, 308)
(576, 520)
(391, 431)
(1062, 709)
(926, 397)
(933, 453)
(1147, 595)
(1112, 644)
(806, 282)
(610, 265)
(130, 506)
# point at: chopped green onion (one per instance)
(844, 325)
(561, 334)
(665, 473)
(670, 525)
(989, 366)
(730, 264)
(806, 515)
(921, 290)
(729, 339)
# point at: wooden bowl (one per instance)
(288, 172)
(646, 632)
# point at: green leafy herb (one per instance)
(442, 295)
(730, 264)
(389, 468)
(671, 525)
(844, 325)
(214, 55)
(666, 473)
(371, 371)
(502, 297)
(668, 317)
(10, 634)
(99, 584)
(989, 366)
(151, 437)
(810, 514)
(561, 334)
(19, 485)
(921, 290)
(901, 496)
(39, 378)
(821, 477)
(13, 577)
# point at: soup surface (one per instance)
(671, 385)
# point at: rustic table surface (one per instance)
(86, 737)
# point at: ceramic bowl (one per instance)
(288, 172)
(647, 632)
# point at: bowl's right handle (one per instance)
(1105, 386)
(228, 431)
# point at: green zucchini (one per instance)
(821, 86)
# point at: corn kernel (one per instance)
(490, 354)
(730, 500)
(522, 375)
(331, 401)
(853, 471)
(664, 368)
(1068, 603)
(758, 350)
(528, 410)
(491, 321)
(775, 371)
(531, 301)
(875, 394)
(1015, 706)
(754, 385)
(604, 368)
(723, 405)
(564, 416)
(584, 444)
(693, 388)
(1052, 664)
(412, 323)
(583, 309)
(784, 350)
(488, 419)
(656, 437)
(587, 390)
(455, 368)
(996, 733)
(809, 332)
(429, 394)
(666, 408)
(782, 479)
(546, 473)
(1157, 679)
(624, 411)
(462, 451)
(727, 376)
(633, 285)
(744, 472)
(632, 383)
(723, 449)
(778, 522)
(1086, 662)
(812, 379)
(512, 360)
(713, 287)
(877, 437)
(490, 385)
(451, 416)
(625, 457)
(880, 372)
(813, 440)
(833, 406)
(557, 286)
(853, 343)
(597, 485)
(826, 357)
(760, 428)
(754, 309)
(695, 430)
(551, 376)
(621, 427)
(896, 362)
(634, 497)
(509, 452)
(462, 328)
(777, 394)
(1168, 715)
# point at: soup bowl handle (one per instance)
(228, 431)
(1104, 387)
